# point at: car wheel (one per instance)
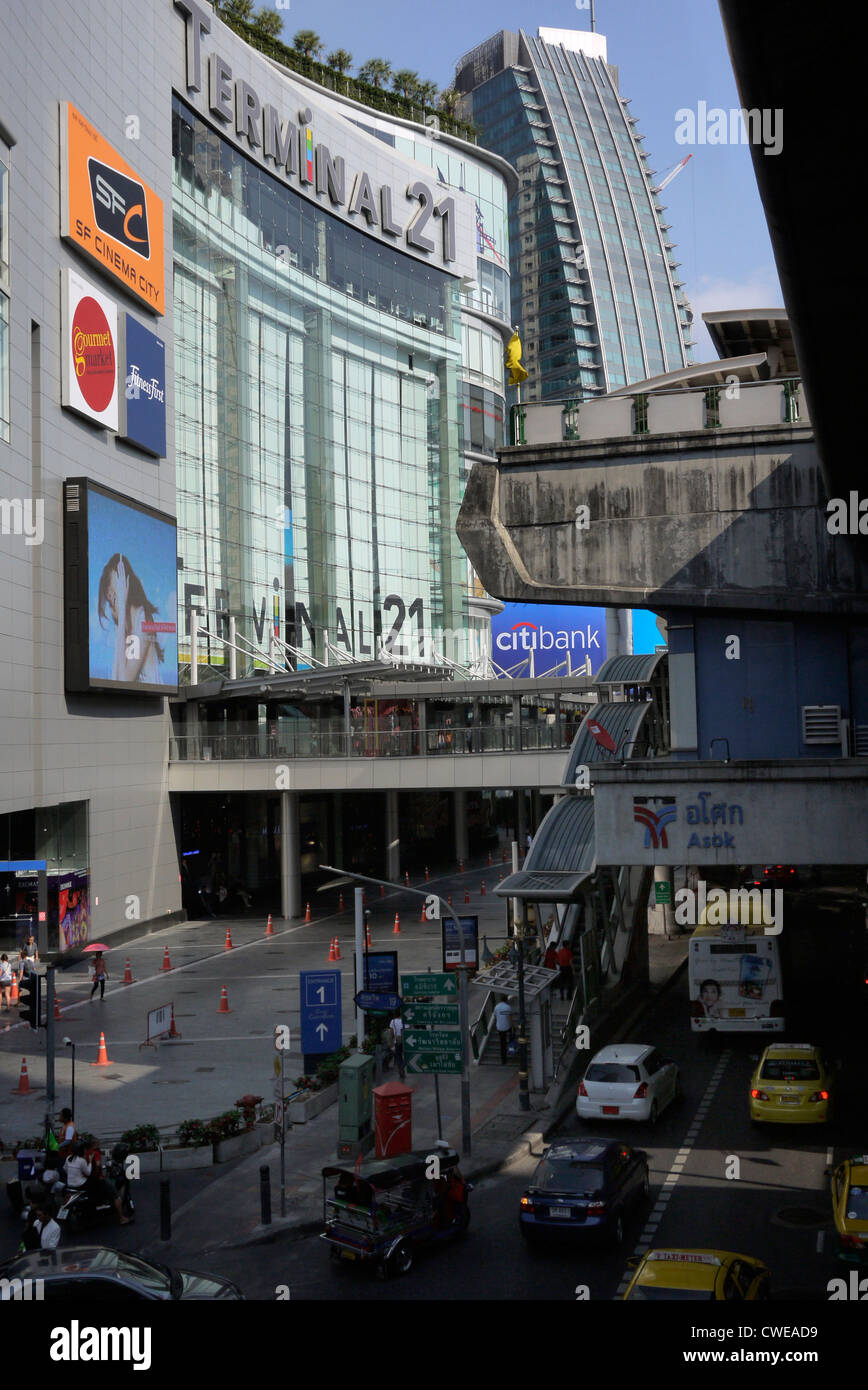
(618, 1230)
(653, 1113)
(401, 1260)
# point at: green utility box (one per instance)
(356, 1106)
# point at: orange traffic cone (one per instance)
(461, 866)
(56, 1007)
(338, 955)
(482, 889)
(427, 875)
(14, 994)
(489, 861)
(422, 917)
(102, 1057)
(269, 929)
(504, 856)
(396, 930)
(224, 1002)
(167, 964)
(341, 903)
(467, 895)
(406, 878)
(228, 945)
(382, 890)
(307, 914)
(367, 935)
(128, 974)
(331, 948)
(23, 1087)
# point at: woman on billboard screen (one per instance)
(137, 652)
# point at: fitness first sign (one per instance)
(320, 154)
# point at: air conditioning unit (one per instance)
(821, 724)
(860, 743)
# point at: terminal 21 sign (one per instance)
(548, 639)
(412, 216)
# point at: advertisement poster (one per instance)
(132, 596)
(732, 979)
(89, 357)
(73, 909)
(548, 639)
(143, 402)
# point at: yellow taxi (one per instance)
(716, 1275)
(849, 1182)
(791, 1085)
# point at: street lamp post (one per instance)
(463, 1012)
(519, 919)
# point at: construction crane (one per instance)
(671, 175)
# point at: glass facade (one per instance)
(318, 408)
(4, 302)
(593, 278)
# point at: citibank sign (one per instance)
(544, 637)
(288, 144)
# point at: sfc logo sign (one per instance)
(108, 212)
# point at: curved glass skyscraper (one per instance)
(594, 284)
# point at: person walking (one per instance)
(28, 955)
(565, 979)
(396, 1029)
(5, 982)
(550, 959)
(100, 975)
(503, 1023)
(47, 1229)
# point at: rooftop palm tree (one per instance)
(308, 43)
(426, 92)
(268, 23)
(448, 101)
(376, 71)
(340, 60)
(405, 81)
(236, 9)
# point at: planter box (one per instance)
(237, 1144)
(149, 1162)
(300, 1111)
(175, 1159)
(265, 1131)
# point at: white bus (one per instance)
(735, 980)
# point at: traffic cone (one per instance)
(338, 955)
(482, 889)
(382, 890)
(500, 878)
(367, 935)
(467, 895)
(427, 875)
(489, 860)
(167, 964)
(224, 1002)
(14, 994)
(56, 1007)
(102, 1057)
(307, 914)
(422, 917)
(331, 948)
(228, 945)
(173, 1032)
(406, 878)
(396, 930)
(269, 929)
(461, 866)
(23, 1087)
(128, 974)
(341, 903)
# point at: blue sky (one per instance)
(671, 54)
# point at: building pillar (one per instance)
(520, 820)
(393, 838)
(461, 846)
(535, 810)
(290, 865)
(338, 828)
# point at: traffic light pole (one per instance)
(445, 911)
(49, 1048)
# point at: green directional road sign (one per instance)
(445, 1063)
(430, 1013)
(435, 982)
(446, 1040)
(663, 892)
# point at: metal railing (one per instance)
(398, 743)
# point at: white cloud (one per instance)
(759, 289)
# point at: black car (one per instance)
(584, 1188)
(95, 1272)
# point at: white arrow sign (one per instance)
(322, 1029)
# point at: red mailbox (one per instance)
(393, 1119)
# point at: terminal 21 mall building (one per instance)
(251, 340)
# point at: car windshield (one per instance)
(154, 1277)
(568, 1175)
(857, 1204)
(781, 1068)
(611, 1073)
(654, 1293)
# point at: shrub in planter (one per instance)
(142, 1138)
(225, 1125)
(247, 1105)
(194, 1134)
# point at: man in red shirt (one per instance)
(564, 959)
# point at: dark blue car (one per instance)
(584, 1188)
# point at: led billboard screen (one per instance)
(548, 639)
(120, 593)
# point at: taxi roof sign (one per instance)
(686, 1257)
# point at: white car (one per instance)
(627, 1082)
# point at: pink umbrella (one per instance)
(96, 946)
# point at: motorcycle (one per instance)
(89, 1205)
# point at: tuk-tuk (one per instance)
(382, 1209)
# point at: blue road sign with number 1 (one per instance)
(320, 1000)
